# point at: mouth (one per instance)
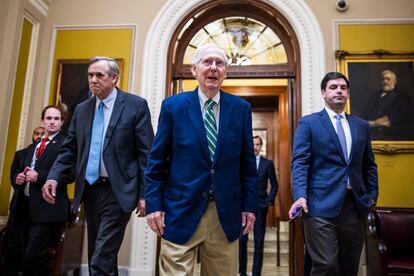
(212, 78)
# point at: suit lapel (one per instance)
(116, 113)
(261, 165)
(48, 148)
(87, 119)
(354, 134)
(196, 119)
(226, 108)
(327, 124)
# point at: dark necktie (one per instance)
(211, 128)
(42, 147)
(94, 158)
(341, 135)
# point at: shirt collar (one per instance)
(203, 98)
(332, 113)
(109, 100)
(51, 136)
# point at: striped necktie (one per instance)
(211, 128)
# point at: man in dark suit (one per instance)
(335, 181)
(201, 179)
(267, 174)
(32, 221)
(108, 140)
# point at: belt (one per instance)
(210, 196)
(102, 180)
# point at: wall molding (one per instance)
(57, 28)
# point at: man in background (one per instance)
(108, 141)
(201, 179)
(33, 223)
(335, 181)
(267, 174)
(389, 111)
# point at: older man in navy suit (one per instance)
(201, 179)
(108, 141)
(335, 181)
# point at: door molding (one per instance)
(298, 13)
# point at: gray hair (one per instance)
(200, 51)
(113, 66)
(389, 72)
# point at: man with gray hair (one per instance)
(201, 179)
(108, 140)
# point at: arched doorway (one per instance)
(294, 22)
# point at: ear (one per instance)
(194, 70)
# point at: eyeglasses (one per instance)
(209, 62)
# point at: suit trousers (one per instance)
(335, 245)
(106, 228)
(217, 255)
(259, 231)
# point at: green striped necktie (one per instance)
(211, 128)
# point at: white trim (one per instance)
(56, 28)
(41, 6)
(28, 81)
(300, 16)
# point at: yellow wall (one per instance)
(396, 180)
(84, 44)
(13, 130)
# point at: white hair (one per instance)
(200, 51)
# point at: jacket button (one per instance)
(212, 171)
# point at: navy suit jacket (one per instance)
(180, 172)
(125, 147)
(320, 171)
(267, 172)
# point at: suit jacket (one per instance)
(40, 210)
(180, 172)
(321, 172)
(267, 172)
(127, 141)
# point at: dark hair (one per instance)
(258, 137)
(332, 76)
(62, 112)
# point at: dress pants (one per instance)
(217, 255)
(28, 242)
(259, 231)
(335, 245)
(106, 228)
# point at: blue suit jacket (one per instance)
(180, 173)
(320, 171)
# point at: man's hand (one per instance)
(140, 211)
(49, 191)
(301, 202)
(156, 222)
(31, 175)
(380, 122)
(21, 179)
(248, 219)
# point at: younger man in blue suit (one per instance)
(335, 181)
(201, 179)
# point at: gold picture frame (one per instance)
(367, 98)
(72, 84)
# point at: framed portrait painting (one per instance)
(382, 92)
(72, 83)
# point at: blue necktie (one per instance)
(341, 135)
(94, 159)
(211, 128)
